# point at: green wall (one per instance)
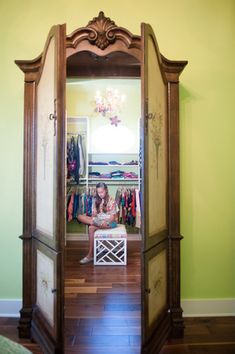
(201, 31)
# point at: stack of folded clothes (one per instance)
(98, 163)
(132, 162)
(114, 163)
(114, 175)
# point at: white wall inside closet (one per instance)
(104, 137)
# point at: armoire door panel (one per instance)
(49, 139)
(155, 316)
(156, 286)
(45, 151)
(49, 194)
(156, 143)
(47, 286)
(155, 116)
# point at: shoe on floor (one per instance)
(86, 260)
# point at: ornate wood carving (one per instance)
(102, 32)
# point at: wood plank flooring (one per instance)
(102, 313)
(202, 336)
(215, 335)
(8, 328)
(102, 304)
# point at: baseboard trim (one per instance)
(76, 237)
(208, 307)
(10, 307)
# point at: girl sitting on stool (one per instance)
(104, 216)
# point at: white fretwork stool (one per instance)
(110, 246)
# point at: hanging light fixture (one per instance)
(109, 104)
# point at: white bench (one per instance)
(110, 246)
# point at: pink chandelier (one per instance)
(109, 104)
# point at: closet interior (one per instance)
(103, 146)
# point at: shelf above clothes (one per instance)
(111, 165)
(113, 180)
(114, 169)
(116, 183)
(113, 159)
(107, 181)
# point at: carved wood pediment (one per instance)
(102, 32)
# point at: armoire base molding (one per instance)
(177, 328)
(24, 327)
(163, 332)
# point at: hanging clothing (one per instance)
(138, 212)
(82, 168)
(129, 210)
(79, 202)
(75, 158)
(70, 208)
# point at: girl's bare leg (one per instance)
(88, 220)
(85, 219)
(92, 230)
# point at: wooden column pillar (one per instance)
(173, 70)
(29, 109)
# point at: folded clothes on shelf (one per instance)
(114, 163)
(97, 163)
(94, 173)
(105, 175)
(117, 173)
(114, 175)
(130, 175)
(132, 162)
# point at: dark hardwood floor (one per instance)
(212, 335)
(102, 304)
(102, 313)
(202, 336)
(8, 328)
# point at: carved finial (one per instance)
(102, 31)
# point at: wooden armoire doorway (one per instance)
(43, 237)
